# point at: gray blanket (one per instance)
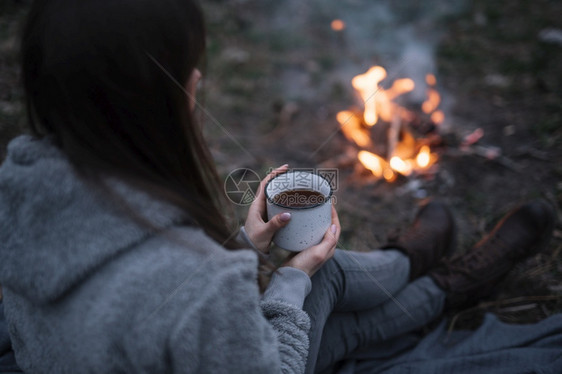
(7, 360)
(495, 347)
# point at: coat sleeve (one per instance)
(232, 331)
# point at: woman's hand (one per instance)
(312, 259)
(259, 230)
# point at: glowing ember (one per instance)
(405, 159)
(338, 25)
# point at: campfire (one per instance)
(392, 139)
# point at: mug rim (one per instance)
(327, 198)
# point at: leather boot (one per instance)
(472, 276)
(431, 236)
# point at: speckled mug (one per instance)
(308, 224)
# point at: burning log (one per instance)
(392, 141)
(386, 143)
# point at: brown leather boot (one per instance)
(521, 233)
(431, 236)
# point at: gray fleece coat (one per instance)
(87, 289)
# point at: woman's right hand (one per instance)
(312, 259)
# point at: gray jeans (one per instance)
(359, 298)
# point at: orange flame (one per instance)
(372, 162)
(399, 87)
(424, 157)
(378, 101)
(430, 80)
(404, 167)
(389, 175)
(387, 108)
(379, 105)
(437, 117)
(432, 102)
(338, 25)
(352, 129)
(423, 160)
(368, 87)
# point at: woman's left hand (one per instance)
(259, 230)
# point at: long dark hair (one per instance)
(104, 78)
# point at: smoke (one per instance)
(401, 36)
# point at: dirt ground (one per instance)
(276, 75)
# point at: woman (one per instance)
(115, 255)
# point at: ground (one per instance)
(276, 74)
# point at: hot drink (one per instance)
(308, 197)
(299, 198)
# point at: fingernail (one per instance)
(334, 229)
(285, 217)
(283, 166)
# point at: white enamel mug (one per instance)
(309, 223)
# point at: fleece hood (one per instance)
(55, 229)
